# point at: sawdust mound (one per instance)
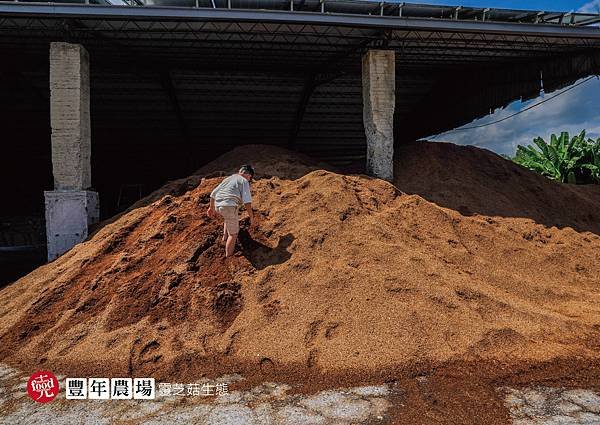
(268, 161)
(476, 181)
(345, 274)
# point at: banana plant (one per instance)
(593, 163)
(558, 160)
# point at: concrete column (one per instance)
(68, 216)
(70, 207)
(379, 100)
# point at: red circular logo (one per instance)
(42, 386)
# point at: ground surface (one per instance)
(264, 404)
(272, 403)
(553, 406)
(449, 285)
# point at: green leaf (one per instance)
(564, 159)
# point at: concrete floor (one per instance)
(553, 406)
(268, 403)
(271, 403)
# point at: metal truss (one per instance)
(368, 7)
(299, 43)
(358, 13)
(195, 71)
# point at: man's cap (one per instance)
(247, 169)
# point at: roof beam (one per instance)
(247, 15)
(307, 91)
(588, 21)
(167, 83)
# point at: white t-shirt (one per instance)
(233, 191)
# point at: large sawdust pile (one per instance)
(345, 274)
(267, 160)
(476, 181)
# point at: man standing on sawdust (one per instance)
(226, 200)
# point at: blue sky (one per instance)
(572, 111)
(546, 5)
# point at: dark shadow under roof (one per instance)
(179, 84)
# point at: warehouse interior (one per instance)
(169, 95)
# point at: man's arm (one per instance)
(211, 208)
(212, 211)
(250, 213)
(247, 200)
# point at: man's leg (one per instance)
(230, 244)
(224, 238)
(233, 227)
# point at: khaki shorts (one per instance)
(232, 219)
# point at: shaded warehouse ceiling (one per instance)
(174, 83)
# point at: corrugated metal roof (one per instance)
(201, 80)
(365, 7)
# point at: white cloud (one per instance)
(573, 111)
(590, 7)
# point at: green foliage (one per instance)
(564, 159)
(593, 166)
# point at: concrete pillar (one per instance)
(379, 100)
(70, 207)
(68, 216)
